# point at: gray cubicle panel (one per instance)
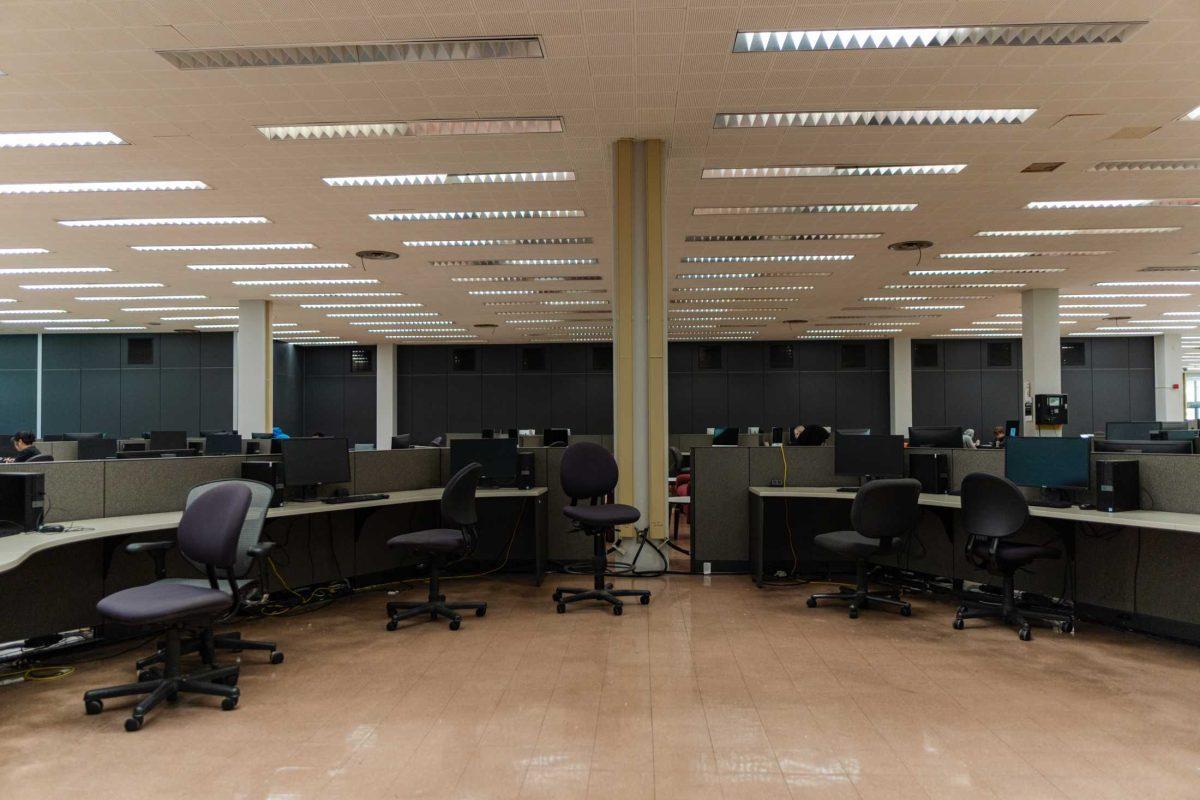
(52, 592)
(720, 511)
(395, 470)
(74, 489)
(150, 485)
(750, 439)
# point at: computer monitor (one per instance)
(864, 455)
(1012, 429)
(402, 442)
(556, 437)
(1048, 462)
(222, 444)
(776, 435)
(76, 437)
(206, 434)
(526, 432)
(364, 447)
(726, 436)
(1174, 425)
(168, 440)
(1146, 446)
(267, 435)
(940, 436)
(854, 432)
(498, 457)
(1173, 434)
(488, 433)
(92, 449)
(128, 447)
(1130, 431)
(310, 461)
(513, 433)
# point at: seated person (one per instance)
(969, 440)
(277, 433)
(22, 442)
(809, 435)
(998, 436)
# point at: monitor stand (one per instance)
(1052, 498)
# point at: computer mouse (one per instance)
(51, 529)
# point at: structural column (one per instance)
(385, 395)
(1041, 355)
(1168, 378)
(253, 368)
(640, 332)
(900, 364)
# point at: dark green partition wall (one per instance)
(18, 379)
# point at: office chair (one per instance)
(884, 515)
(677, 462)
(441, 546)
(589, 472)
(251, 552)
(208, 535)
(40, 458)
(993, 509)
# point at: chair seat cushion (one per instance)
(852, 543)
(163, 602)
(605, 515)
(202, 583)
(1014, 554)
(436, 540)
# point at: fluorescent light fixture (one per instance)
(206, 318)
(1191, 116)
(507, 47)
(121, 298)
(748, 275)
(187, 248)
(857, 330)
(980, 330)
(352, 315)
(777, 237)
(954, 286)
(34, 311)
(216, 326)
(34, 287)
(1110, 296)
(833, 171)
(408, 322)
(799, 288)
(444, 178)
(875, 118)
(503, 213)
(1103, 305)
(60, 139)
(811, 337)
(524, 278)
(1149, 165)
(1181, 313)
(301, 295)
(308, 265)
(166, 309)
(1076, 313)
(89, 328)
(574, 302)
(1080, 231)
(420, 127)
(1169, 202)
(280, 324)
(338, 342)
(816, 208)
(100, 186)
(310, 282)
(23, 251)
(762, 259)
(1148, 283)
(459, 336)
(482, 292)
(1143, 331)
(933, 308)
(1113, 333)
(362, 305)
(900, 299)
(51, 270)
(305, 338)
(950, 272)
(497, 242)
(439, 333)
(1027, 254)
(518, 262)
(43, 321)
(982, 334)
(998, 322)
(1042, 33)
(133, 222)
(531, 321)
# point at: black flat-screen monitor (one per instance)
(262, 436)
(315, 460)
(206, 434)
(222, 444)
(513, 433)
(498, 457)
(1012, 429)
(940, 436)
(1174, 434)
(556, 437)
(129, 447)
(1048, 462)
(854, 432)
(777, 435)
(1130, 431)
(488, 433)
(1147, 446)
(726, 436)
(401, 442)
(92, 449)
(155, 453)
(864, 455)
(75, 437)
(168, 440)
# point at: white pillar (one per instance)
(900, 365)
(385, 395)
(1168, 378)
(1041, 353)
(254, 368)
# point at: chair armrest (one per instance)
(157, 551)
(261, 549)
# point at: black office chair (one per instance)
(589, 472)
(40, 458)
(441, 546)
(884, 515)
(993, 509)
(208, 534)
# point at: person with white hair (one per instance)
(969, 440)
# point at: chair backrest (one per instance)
(211, 526)
(458, 498)
(992, 506)
(252, 527)
(676, 460)
(588, 471)
(39, 458)
(886, 508)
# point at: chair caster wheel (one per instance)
(277, 657)
(1066, 627)
(558, 597)
(479, 612)
(645, 599)
(229, 704)
(561, 608)
(958, 624)
(961, 610)
(608, 586)
(906, 611)
(618, 609)
(148, 675)
(1025, 634)
(455, 623)
(811, 602)
(392, 624)
(853, 612)
(133, 724)
(93, 706)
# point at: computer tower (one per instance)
(268, 472)
(1118, 487)
(932, 470)
(524, 470)
(22, 501)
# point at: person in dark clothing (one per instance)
(22, 442)
(809, 435)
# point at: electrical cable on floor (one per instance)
(791, 578)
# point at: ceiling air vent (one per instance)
(355, 53)
(1154, 165)
(1043, 166)
(1169, 269)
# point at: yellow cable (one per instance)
(787, 518)
(39, 673)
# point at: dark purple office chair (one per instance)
(589, 472)
(208, 535)
(441, 546)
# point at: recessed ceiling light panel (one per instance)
(822, 208)
(447, 178)
(763, 259)
(130, 222)
(355, 53)
(550, 240)
(1167, 202)
(60, 139)
(777, 237)
(309, 265)
(186, 248)
(875, 118)
(420, 127)
(1020, 35)
(1080, 231)
(511, 213)
(101, 186)
(833, 171)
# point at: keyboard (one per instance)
(848, 489)
(1049, 504)
(353, 498)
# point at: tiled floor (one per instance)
(715, 690)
